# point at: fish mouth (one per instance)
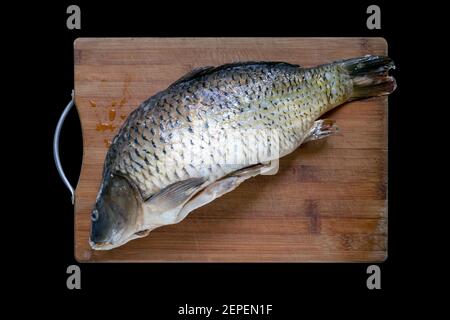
(100, 245)
(142, 233)
(106, 245)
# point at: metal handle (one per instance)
(56, 148)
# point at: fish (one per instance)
(214, 128)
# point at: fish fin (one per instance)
(370, 76)
(195, 73)
(219, 187)
(253, 63)
(321, 129)
(176, 194)
(202, 71)
(249, 171)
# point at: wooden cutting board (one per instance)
(327, 202)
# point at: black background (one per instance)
(161, 288)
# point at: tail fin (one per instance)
(370, 76)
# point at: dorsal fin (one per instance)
(195, 73)
(253, 63)
(202, 71)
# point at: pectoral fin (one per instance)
(220, 187)
(175, 194)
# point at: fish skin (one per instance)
(192, 128)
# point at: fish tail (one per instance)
(370, 76)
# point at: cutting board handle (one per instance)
(56, 147)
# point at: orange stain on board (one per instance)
(112, 114)
(103, 126)
(107, 142)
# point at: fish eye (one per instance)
(94, 215)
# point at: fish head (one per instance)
(117, 214)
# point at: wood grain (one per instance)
(328, 201)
